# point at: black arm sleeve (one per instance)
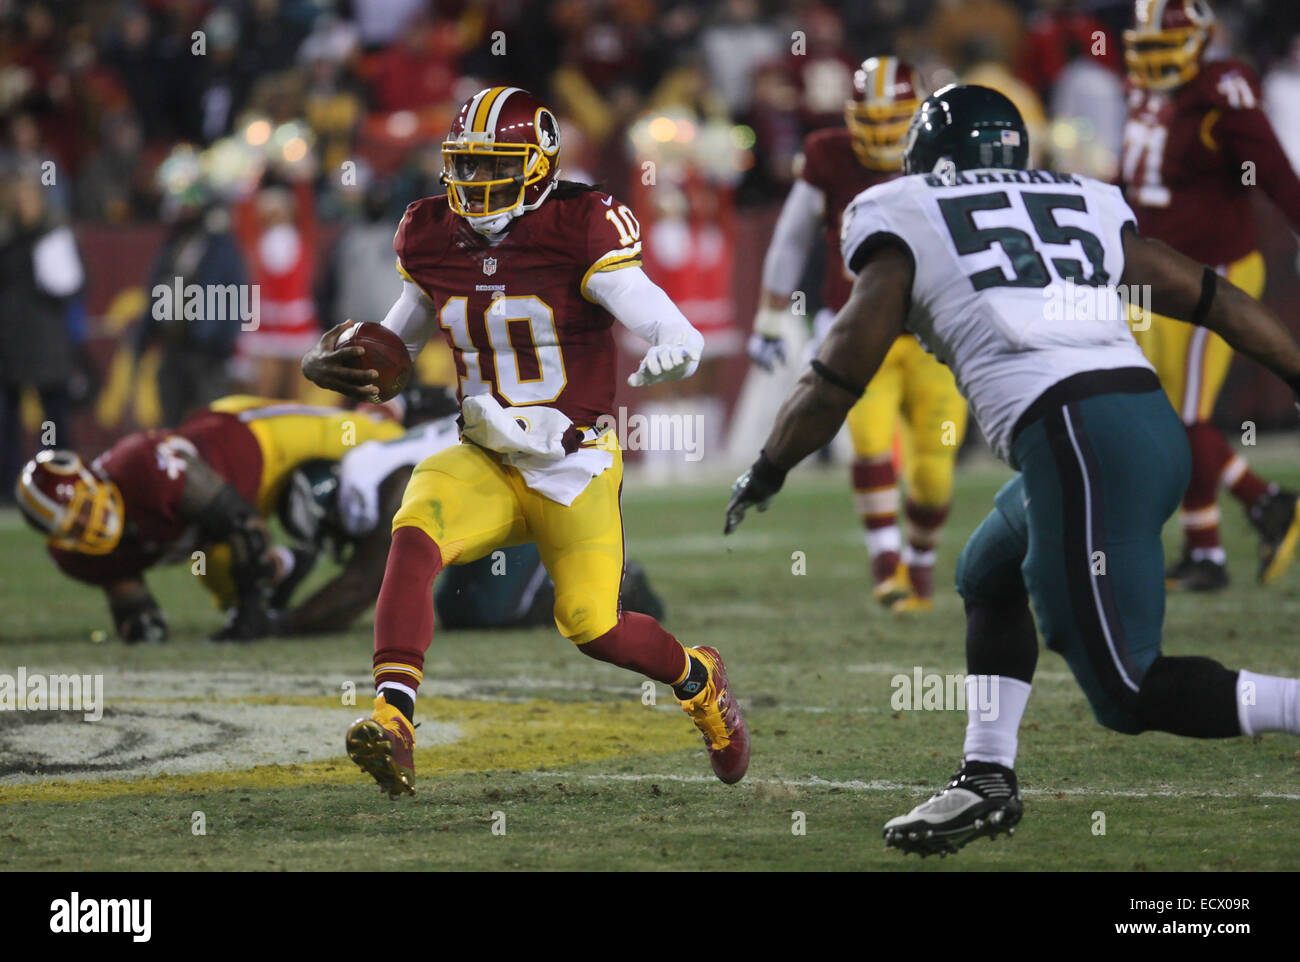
(228, 517)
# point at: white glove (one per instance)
(665, 362)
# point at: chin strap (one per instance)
(492, 226)
(497, 223)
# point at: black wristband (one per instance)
(1294, 383)
(1209, 286)
(843, 383)
(766, 474)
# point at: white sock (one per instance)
(880, 540)
(915, 557)
(1267, 703)
(994, 706)
(1217, 555)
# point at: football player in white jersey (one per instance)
(1012, 277)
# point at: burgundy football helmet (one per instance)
(886, 93)
(71, 504)
(501, 157)
(1163, 49)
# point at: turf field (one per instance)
(229, 757)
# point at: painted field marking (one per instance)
(881, 785)
(884, 668)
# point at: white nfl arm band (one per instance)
(411, 318)
(643, 308)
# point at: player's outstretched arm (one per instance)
(641, 305)
(347, 595)
(861, 336)
(1183, 289)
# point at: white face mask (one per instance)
(493, 224)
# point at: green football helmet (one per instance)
(309, 505)
(965, 127)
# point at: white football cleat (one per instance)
(982, 799)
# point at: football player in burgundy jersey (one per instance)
(838, 164)
(524, 275)
(1196, 144)
(155, 497)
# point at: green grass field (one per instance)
(534, 757)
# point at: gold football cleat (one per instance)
(383, 746)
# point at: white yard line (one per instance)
(880, 785)
(886, 668)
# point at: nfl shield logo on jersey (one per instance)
(489, 266)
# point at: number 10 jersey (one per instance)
(516, 314)
(1015, 277)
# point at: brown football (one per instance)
(385, 353)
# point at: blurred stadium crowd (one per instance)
(275, 143)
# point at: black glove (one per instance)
(755, 488)
(248, 623)
(141, 624)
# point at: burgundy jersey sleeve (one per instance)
(612, 235)
(149, 469)
(818, 163)
(831, 166)
(420, 239)
(1240, 125)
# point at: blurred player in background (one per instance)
(1195, 145)
(348, 507)
(156, 497)
(912, 389)
(525, 275)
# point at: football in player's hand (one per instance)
(385, 353)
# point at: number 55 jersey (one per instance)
(517, 313)
(1014, 279)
